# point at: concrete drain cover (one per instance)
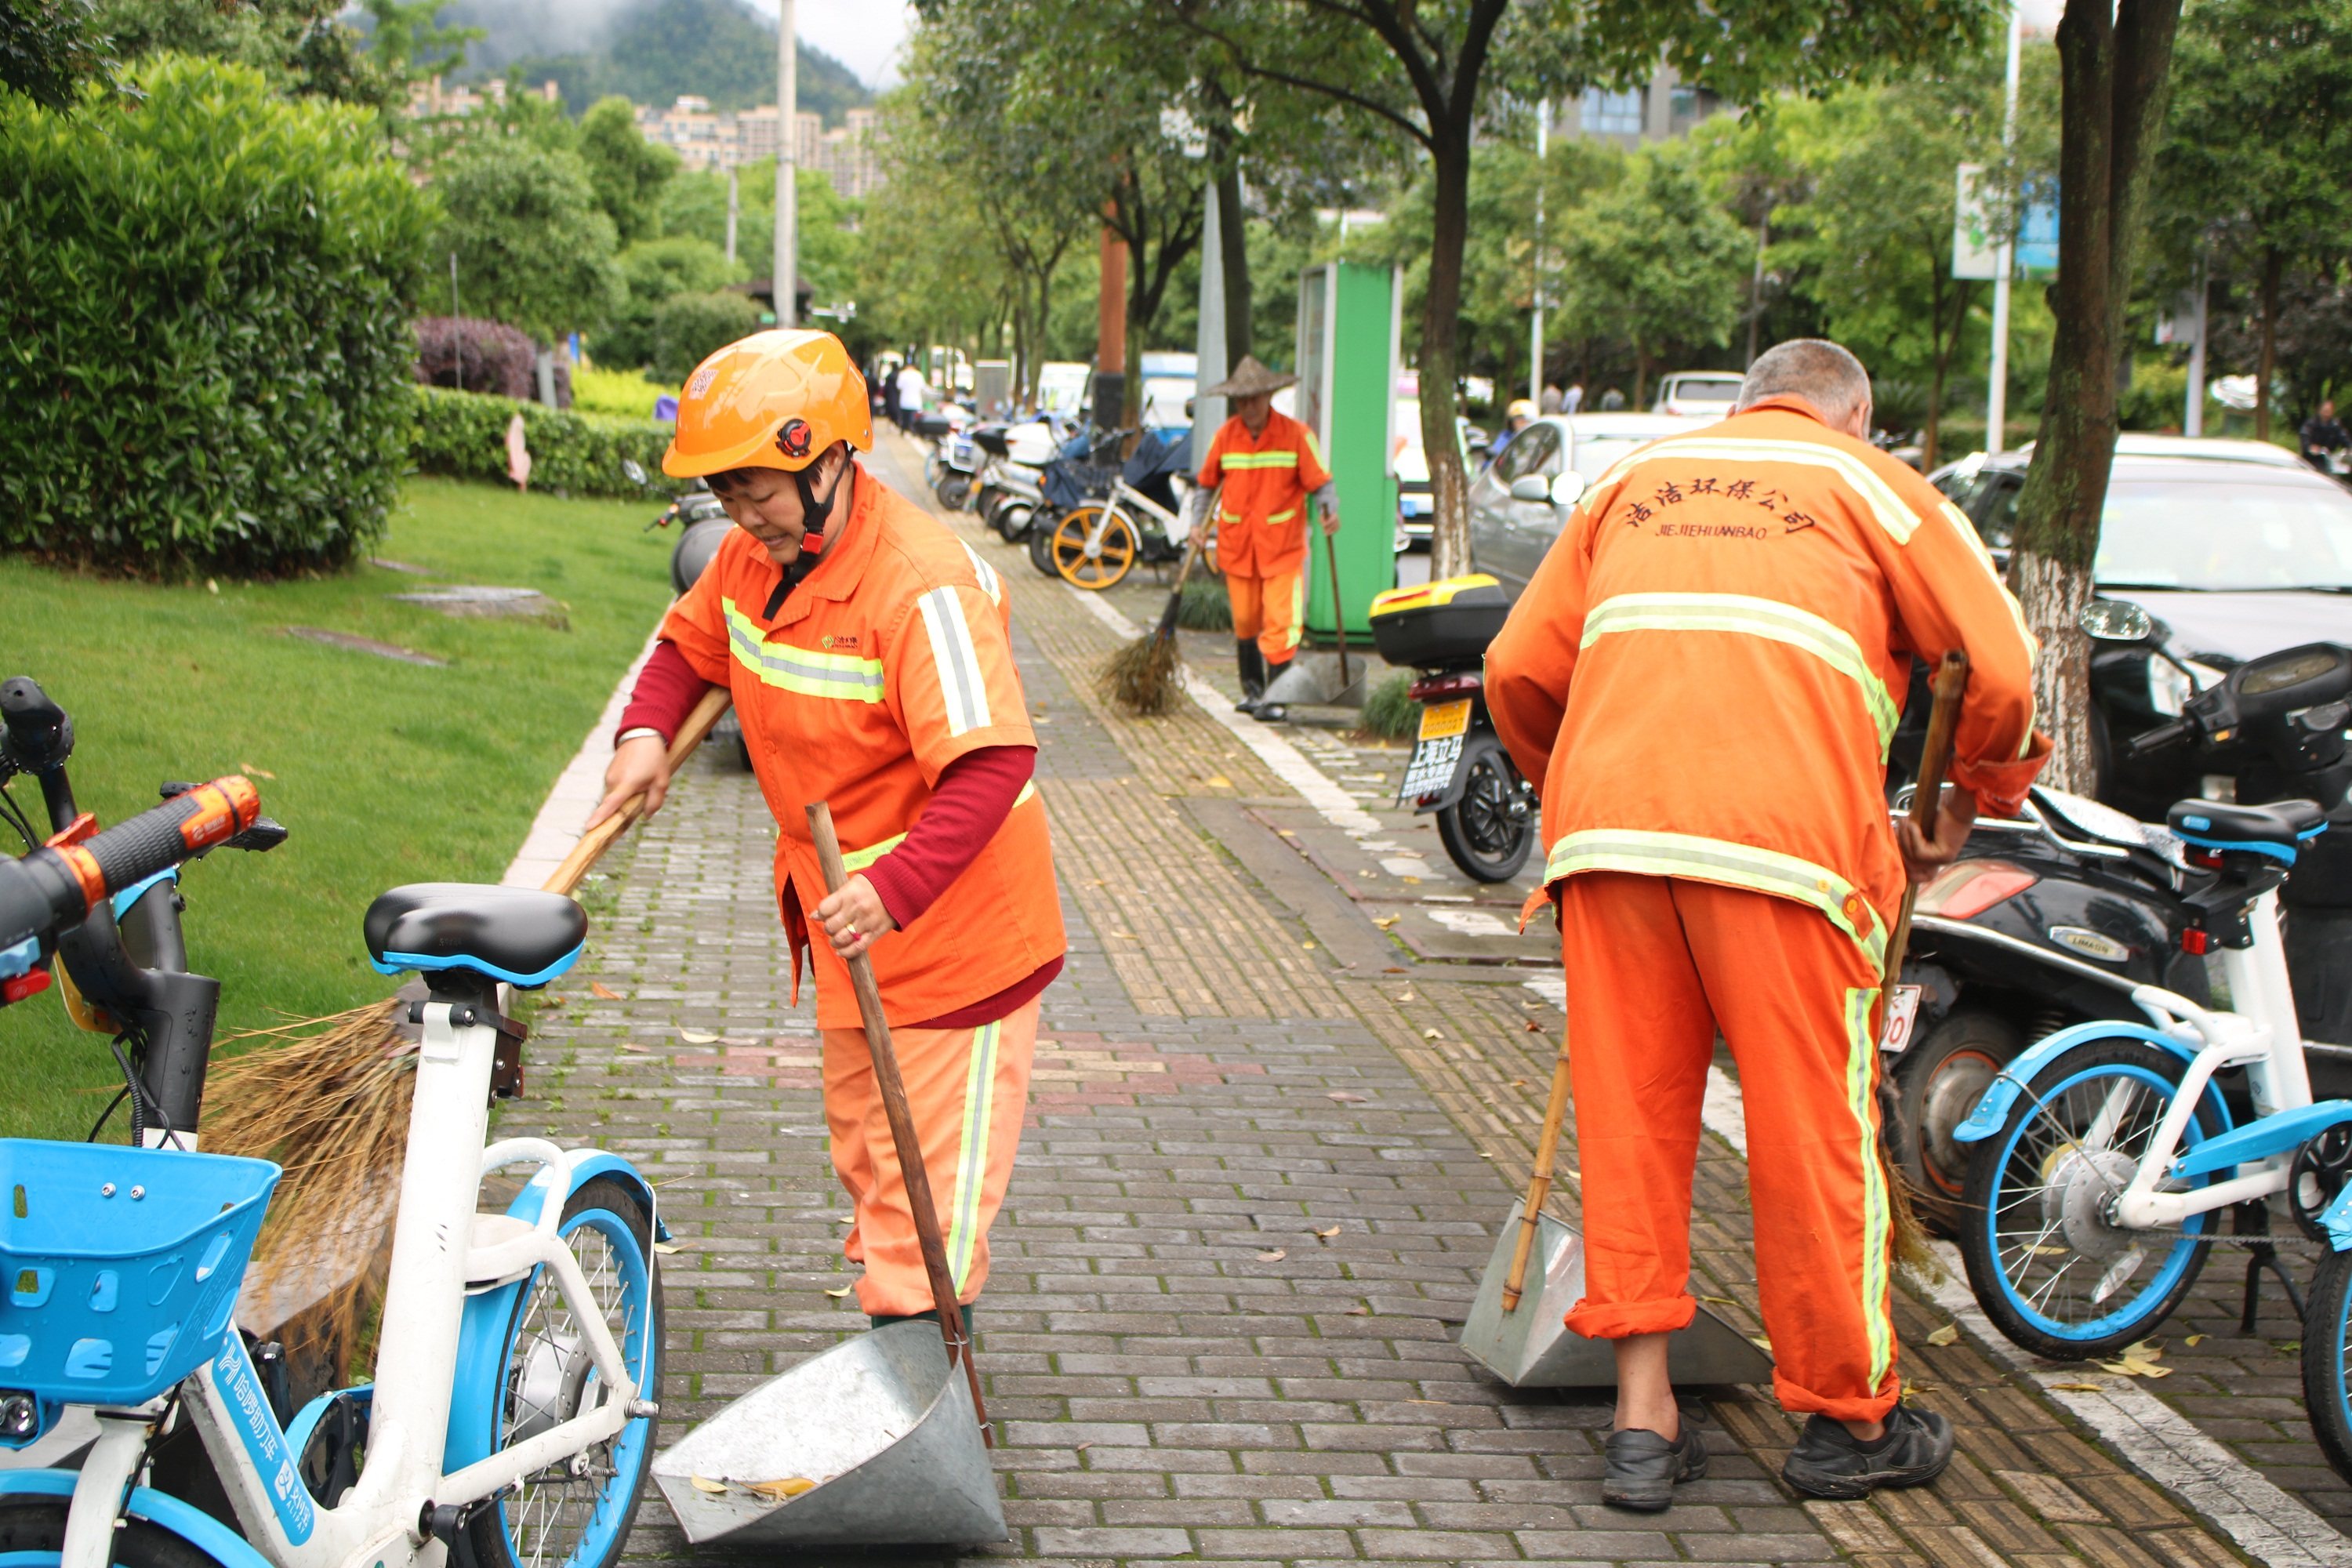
(492, 603)
(390, 650)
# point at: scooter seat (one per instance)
(2277, 830)
(520, 935)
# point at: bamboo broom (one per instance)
(328, 1099)
(1144, 676)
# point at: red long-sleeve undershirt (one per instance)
(967, 804)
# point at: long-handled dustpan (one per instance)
(881, 1440)
(1515, 1329)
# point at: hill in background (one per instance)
(651, 51)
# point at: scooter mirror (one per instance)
(635, 469)
(2113, 620)
(1567, 489)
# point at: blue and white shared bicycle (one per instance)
(511, 1418)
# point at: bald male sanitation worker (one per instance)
(1704, 673)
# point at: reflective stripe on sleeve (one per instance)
(972, 1160)
(1886, 507)
(1284, 458)
(858, 859)
(805, 672)
(990, 583)
(1756, 617)
(1877, 1215)
(1730, 865)
(963, 689)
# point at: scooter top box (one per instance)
(1450, 621)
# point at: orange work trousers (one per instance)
(1655, 965)
(968, 1089)
(1273, 609)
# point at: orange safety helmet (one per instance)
(774, 400)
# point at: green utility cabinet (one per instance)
(1348, 333)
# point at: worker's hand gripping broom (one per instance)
(903, 1137)
(1142, 676)
(1950, 679)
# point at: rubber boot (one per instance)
(1252, 665)
(1272, 712)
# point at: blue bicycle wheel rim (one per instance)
(639, 1354)
(2142, 1302)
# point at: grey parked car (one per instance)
(1514, 506)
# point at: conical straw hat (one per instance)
(1249, 379)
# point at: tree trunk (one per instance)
(2271, 268)
(1234, 245)
(2115, 62)
(1641, 374)
(1756, 286)
(1449, 549)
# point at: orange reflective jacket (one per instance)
(1262, 516)
(888, 661)
(1708, 668)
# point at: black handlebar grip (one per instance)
(2156, 740)
(40, 896)
(163, 836)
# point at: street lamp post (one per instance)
(1535, 325)
(787, 157)
(2004, 259)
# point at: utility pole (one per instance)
(2004, 258)
(1535, 324)
(2192, 418)
(734, 207)
(787, 157)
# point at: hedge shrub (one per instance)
(474, 355)
(463, 433)
(207, 316)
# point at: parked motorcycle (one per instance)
(1460, 770)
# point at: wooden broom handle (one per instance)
(1539, 1184)
(1950, 679)
(599, 838)
(911, 1169)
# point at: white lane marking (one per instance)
(1337, 807)
(1470, 922)
(2266, 1522)
(577, 789)
(1407, 865)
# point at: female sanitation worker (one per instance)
(868, 653)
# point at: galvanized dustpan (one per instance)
(1529, 1348)
(881, 1423)
(1516, 1334)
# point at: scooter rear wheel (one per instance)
(1481, 833)
(2044, 1261)
(1937, 1083)
(557, 1517)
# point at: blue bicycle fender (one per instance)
(1993, 1111)
(190, 1524)
(481, 1335)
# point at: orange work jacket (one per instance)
(1262, 516)
(891, 659)
(1706, 670)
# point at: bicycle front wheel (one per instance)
(575, 1513)
(2045, 1259)
(1107, 564)
(2326, 1351)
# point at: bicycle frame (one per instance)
(403, 1501)
(1125, 498)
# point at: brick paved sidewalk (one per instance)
(1267, 1152)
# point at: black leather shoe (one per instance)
(1830, 1462)
(1644, 1468)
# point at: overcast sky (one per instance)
(864, 35)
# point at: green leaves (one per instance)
(533, 247)
(463, 435)
(207, 323)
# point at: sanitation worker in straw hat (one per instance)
(867, 652)
(1271, 468)
(1778, 574)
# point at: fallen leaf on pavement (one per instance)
(2290, 1347)
(1218, 781)
(1949, 1334)
(667, 1247)
(1273, 1255)
(1534, 1027)
(1428, 1035)
(1519, 1083)
(2135, 1366)
(1309, 944)
(1327, 1235)
(1761, 1341)
(698, 1036)
(1392, 969)
(552, 1002)
(780, 1491)
(705, 1484)
(602, 990)
(2078, 1387)
(1718, 1300)
(1081, 1448)
(1413, 881)
(641, 1051)
(1345, 1096)
(845, 1291)
(1359, 1311)
(1406, 995)
(1384, 922)
(2193, 1341)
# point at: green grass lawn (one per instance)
(383, 773)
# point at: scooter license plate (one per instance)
(1441, 720)
(1431, 771)
(1902, 1013)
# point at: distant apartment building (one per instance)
(430, 100)
(848, 154)
(1660, 110)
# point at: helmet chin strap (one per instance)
(814, 514)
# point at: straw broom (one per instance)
(328, 1099)
(1142, 676)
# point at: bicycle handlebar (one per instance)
(53, 887)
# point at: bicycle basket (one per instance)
(122, 1265)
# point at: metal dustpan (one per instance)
(1313, 681)
(884, 1426)
(1529, 1348)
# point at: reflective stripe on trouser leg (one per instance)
(1282, 595)
(937, 1068)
